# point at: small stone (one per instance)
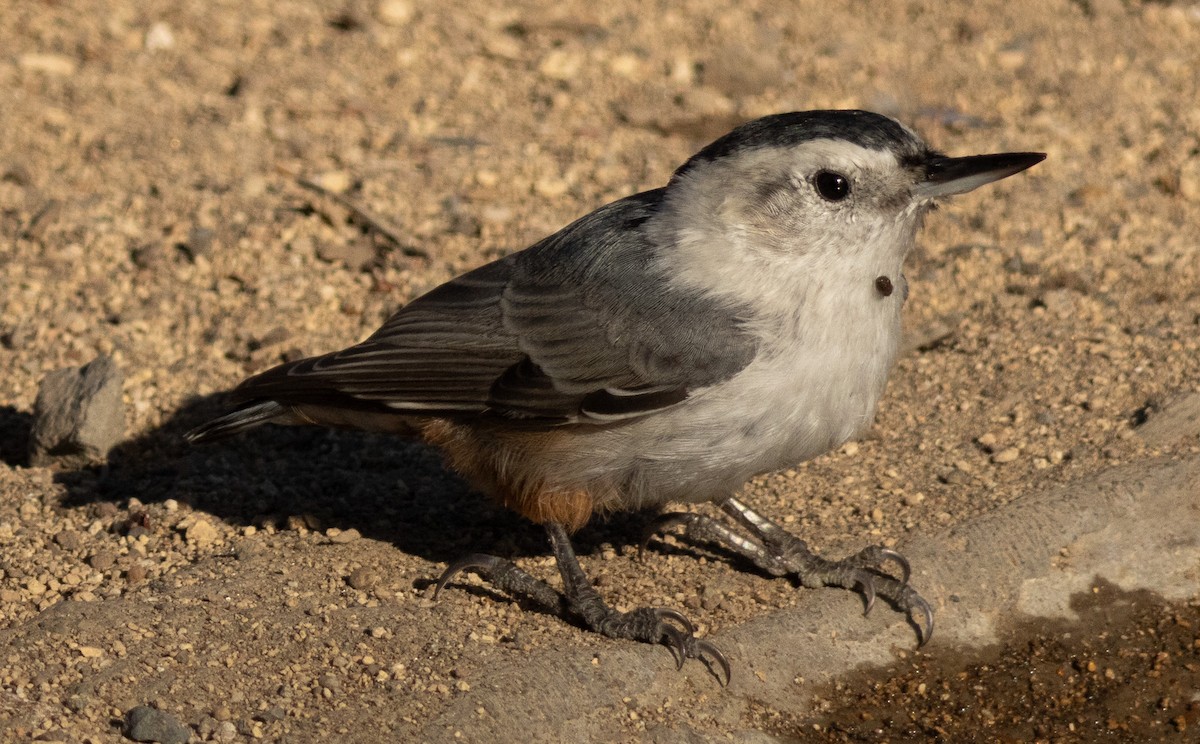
(341, 537)
(79, 415)
(296, 522)
(47, 64)
(335, 182)
(149, 256)
(136, 573)
(200, 533)
(225, 732)
(363, 579)
(357, 255)
(159, 37)
(90, 652)
(102, 560)
(207, 727)
(270, 715)
(551, 187)
(68, 540)
(560, 64)
(107, 510)
(626, 65)
(330, 682)
(1189, 179)
(144, 723)
(394, 12)
(199, 242)
(1006, 455)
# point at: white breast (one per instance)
(814, 385)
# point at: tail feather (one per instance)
(247, 417)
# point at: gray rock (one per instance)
(144, 723)
(79, 415)
(1176, 420)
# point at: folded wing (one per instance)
(579, 328)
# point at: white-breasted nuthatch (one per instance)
(665, 348)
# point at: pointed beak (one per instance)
(949, 176)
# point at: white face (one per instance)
(822, 208)
(821, 196)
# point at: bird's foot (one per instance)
(581, 600)
(779, 553)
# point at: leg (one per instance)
(780, 553)
(580, 598)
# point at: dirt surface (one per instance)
(153, 207)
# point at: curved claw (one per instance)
(674, 641)
(868, 590)
(475, 560)
(704, 648)
(661, 524)
(905, 569)
(666, 612)
(926, 630)
(683, 644)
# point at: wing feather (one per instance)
(580, 328)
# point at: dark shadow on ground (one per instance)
(386, 487)
(14, 436)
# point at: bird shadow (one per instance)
(386, 487)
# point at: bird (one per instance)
(664, 349)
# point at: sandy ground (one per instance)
(277, 587)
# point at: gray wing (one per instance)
(579, 328)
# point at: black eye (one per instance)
(832, 186)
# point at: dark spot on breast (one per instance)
(883, 285)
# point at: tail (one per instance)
(250, 415)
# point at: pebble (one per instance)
(560, 64)
(1189, 179)
(200, 533)
(79, 415)
(159, 37)
(48, 64)
(335, 182)
(102, 560)
(68, 540)
(363, 579)
(1006, 455)
(356, 255)
(394, 12)
(199, 242)
(551, 187)
(225, 732)
(144, 723)
(341, 537)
